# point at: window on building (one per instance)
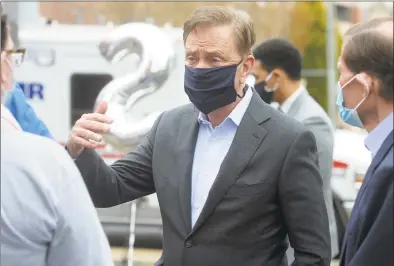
(343, 13)
(84, 90)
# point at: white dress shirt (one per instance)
(286, 105)
(47, 216)
(211, 148)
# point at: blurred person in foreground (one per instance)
(233, 176)
(47, 216)
(366, 100)
(278, 66)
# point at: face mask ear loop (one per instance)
(240, 62)
(344, 85)
(268, 77)
(244, 91)
(350, 80)
(246, 86)
(365, 97)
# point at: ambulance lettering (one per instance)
(33, 90)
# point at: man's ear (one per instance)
(247, 66)
(366, 80)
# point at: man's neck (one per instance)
(384, 110)
(286, 90)
(218, 116)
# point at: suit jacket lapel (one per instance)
(247, 139)
(186, 142)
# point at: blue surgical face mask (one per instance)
(211, 88)
(349, 116)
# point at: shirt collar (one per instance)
(239, 111)
(376, 137)
(8, 118)
(286, 105)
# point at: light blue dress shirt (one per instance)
(375, 139)
(211, 148)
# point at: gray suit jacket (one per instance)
(307, 111)
(268, 186)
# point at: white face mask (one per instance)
(269, 76)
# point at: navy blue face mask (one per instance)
(211, 88)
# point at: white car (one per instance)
(351, 161)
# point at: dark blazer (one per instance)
(268, 186)
(369, 238)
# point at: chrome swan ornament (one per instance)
(156, 60)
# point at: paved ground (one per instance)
(145, 257)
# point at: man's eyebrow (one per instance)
(216, 53)
(190, 51)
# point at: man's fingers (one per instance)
(94, 126)
(85, 143)
(86, 131)
(97, 117)
(87, 134)
(102, 107)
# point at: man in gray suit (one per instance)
(232, 175)
(278, 70)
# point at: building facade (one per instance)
(347, 13)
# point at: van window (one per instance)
(84, 90)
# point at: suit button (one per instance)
(189, 243)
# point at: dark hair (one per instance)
(282, 54)
(370, 50)
(4, 30)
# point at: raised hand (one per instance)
(87, 131)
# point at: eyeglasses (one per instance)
(17, 56)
